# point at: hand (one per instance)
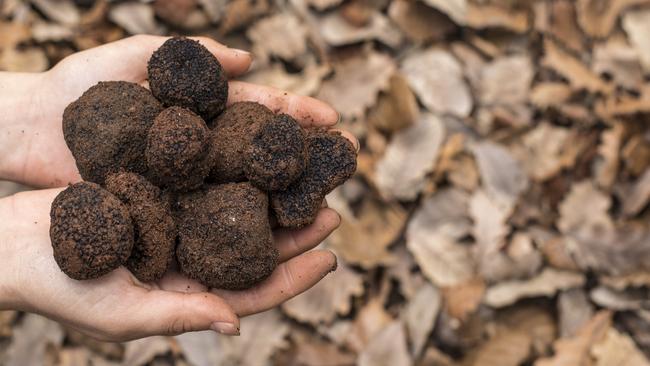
(117, 307)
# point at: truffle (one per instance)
(277, 154)
(225, 239)
(177, 150)
(107, 126)
(182, 72)
(155, 231)
(231, 135)
(91, 231)
(332, 160)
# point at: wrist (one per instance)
(8, 289)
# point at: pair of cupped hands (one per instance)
(118, 307)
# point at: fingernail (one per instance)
(241, 52)
(225, 328)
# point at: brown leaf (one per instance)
(419, 22)
(31, 339)
(506, 81)
(433, 234)
(563, 24)
(575, 310)
(550, 94)
(463, 300)
(636, 26)
(369, 322)
(201, 348)
(31, 59)
(437, 79)
(506, 348)
(311, 351)
(143, 351)
(501, 175)
(635, 197)
(455, 9)
(281, 35)
(42, 32)
(584, 210)
(388, 348)
(617, 349)
(135, 18)
(410, 156)
(633, 299)
(542, 151)
(240, 13)
(7, 318)
(617, 59)
(598, 18)
(493, 16)
(546, 283)
(214, 9)
(420, 316)
(336, 31)
(356, 84)
(306, 82)
(397, 108)
(60, 11)
(261, 335)
(76, 356)
(13, 33)
(330, 297)
(607, 166)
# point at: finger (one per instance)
(288, 280)
(291, 242)
(307, 111)
(175, 281)
(348, 135)
(161, 312)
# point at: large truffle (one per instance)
(91, 231)
(182, 72)
(231, 135)
(276, 155)
(107, 126)
(332, 160)
(177, 150)
(155, 231)
(225, 239)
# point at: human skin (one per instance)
(118, 307)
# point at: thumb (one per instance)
(171, 313)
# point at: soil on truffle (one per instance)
(106, 128)
(184, 73)
(155, 230)
(277, 154)
(177, 150)
(225, 239)
(91, 231)
(231, 135)
(332, 160)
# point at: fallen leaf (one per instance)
(607, 165)
(536, 321)
(621, 282)
(550, 94)
(327, 299)
(336, 31)
(420, 316)
(135, 18)
(356, 84)
(410, 156)
(437, 79)
(463, 300)
(435, 357)
(31, 59)
(574, 351)
(43, 32)
(61, 11)
(306, 82)
(13, 33)
(455, 9)
(563, 24)
(502, 176)
(240, 13)
(574, 310)
(402, 272)
(617, 349)
(506, 348)
(547, 283)
(397, 108)
(281, 35)
(76, 356)
(598, 18)
(493, 16)
(636, 196)
(175, 12)
(433, 236)
(506, 81)
(419, 22)
(584, 210)
(214, 9)
(110, 350)
(7, 317)
(388, 348)
(261, 335)
(620, 61)
(636, 155)
(625, 300)
(370, 321)
(30, 340)
(311, 351)
(143, 351)
(542, 150)
(636, 26)
(624, 105)
(201, 348)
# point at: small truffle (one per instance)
(277, 154)
(225, 239)
(155, 231)
(91, 231)
(182, 72)
(106, 128)
(177, 150)
(231, 135)
(332, 160)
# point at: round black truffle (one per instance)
(155, 230)
(225, 239)
(184, 73)
(277, 154)
(332, 160)
(177, 150)
(106, 128)
(91, 231)
(231, 135)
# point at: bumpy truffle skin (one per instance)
(177, 150)
(225, 239)
(277, 154)
(91, 231)
(155, 230)
(184, 73)
(231, 136)
(107, 126)
(332, 160)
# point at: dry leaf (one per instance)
(575, 310)
(419, 22)
(43, 32)
(397, 108)
(305, 83)
(420, 316)
(584, 210)
(61, 11)
(356, 84)
(175, 12)
(506, 348)
(7, 317)
(637, 196)
(370, 320)
(435, 357)
(535, 320)
(311, 351)
(281, 35)
(76, 356)
(433, 234)
(455, 9)
(261, 335)
(336, 31)
(201, 348)
(542, 151)
(437, 79)
(501, 175)
(143, 351)
(550, 94)
(240, 13)
(617, 59)
(30, 340)
(574, 351)
(23, 60)
(633, 299)
(410, 156)
(506, 81)
(635, 279)
(636, 26)
(463, 300)
(597, 18)
(331, 296)
(606, 167)
(617, 349)
(546, 283)
(563, 24)
(214, 8)
(493, 16)
(388, 348)
(402, 272)
(135, 18)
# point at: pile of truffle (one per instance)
(172, 173)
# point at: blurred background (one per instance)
(499, 215)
